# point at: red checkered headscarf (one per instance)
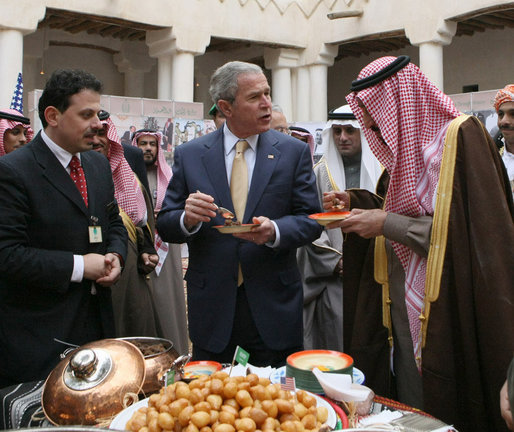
(164, 172)
(5, 125)
(412, 115)
(164, 175)
(126, 187)
(506, 94)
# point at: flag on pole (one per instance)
(241, 356)
(288, 384)
(17, 97)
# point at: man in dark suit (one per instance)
(263, 314)
(60, 248)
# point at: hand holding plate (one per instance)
(366, 223)
(263, 233)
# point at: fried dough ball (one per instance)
(220, 403)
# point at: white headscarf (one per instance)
(370, 167)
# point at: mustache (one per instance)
(91, 132)
(375, 128)
(506, 127)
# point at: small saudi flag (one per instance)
(241, 356)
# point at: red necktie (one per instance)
(77, 175)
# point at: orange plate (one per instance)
(325, 360)
(328, 217)
(196, 369)
(230, 229)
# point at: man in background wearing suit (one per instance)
(62, 241)
(243, 289)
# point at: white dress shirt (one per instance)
(64, 158)
(229, 143)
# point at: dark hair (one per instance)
(63, 84)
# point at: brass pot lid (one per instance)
(93, 383)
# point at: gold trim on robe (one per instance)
(381, 276)
(439, 235)
(129, 225)
(438, 238)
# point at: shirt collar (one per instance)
(230, 140)
(63, 156)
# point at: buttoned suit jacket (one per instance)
(282, 189)
(44, 222)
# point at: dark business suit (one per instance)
(45, 222)
(282, 189)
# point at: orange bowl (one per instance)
(328, 217)
(196, 369)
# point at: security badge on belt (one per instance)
(95, 231)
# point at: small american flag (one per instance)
(17, 97)
(287, 383)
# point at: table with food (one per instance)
(143, 385)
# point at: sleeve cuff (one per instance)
(78, 268)
(188, 233)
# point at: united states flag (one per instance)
(287, 383)
(17, 97)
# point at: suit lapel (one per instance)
(92, 178)
(265, 163)
(214, 162)
(56, 175)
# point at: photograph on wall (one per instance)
(316, 130)
(187, 129)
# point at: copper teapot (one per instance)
(160, 358)
(93, 382)
(96, 381)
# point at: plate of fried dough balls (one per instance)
(220, 403)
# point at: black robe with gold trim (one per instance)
(469, 330)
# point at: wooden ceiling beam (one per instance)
(94, 28)
(79, 26)
(492, 20)
(137, 36)
(109, 30)
(465, 29)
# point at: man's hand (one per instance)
(339, 268)
(113, 270)
(94, 266)
(336, 198)
(505, 407)
(104, 270)
(199, 208)
(366, 223)
(149, 261)
(261, 234)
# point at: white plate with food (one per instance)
(119, 422)
(231, 229)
